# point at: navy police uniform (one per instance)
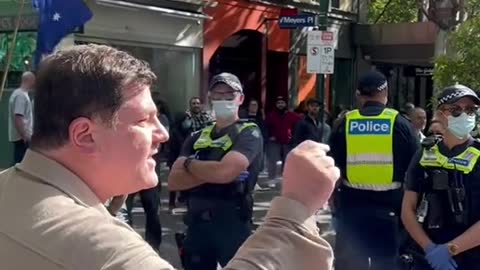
(219, 215)
(367, 216)
(448, 187)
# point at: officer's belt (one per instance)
(201, 204)
(373, 187)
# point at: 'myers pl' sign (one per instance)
(297, 21)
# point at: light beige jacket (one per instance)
(50, 220)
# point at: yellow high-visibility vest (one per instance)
(465, 162)
(370, 150)
(205, 141)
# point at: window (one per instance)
(178, 70)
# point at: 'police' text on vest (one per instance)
(370, 126)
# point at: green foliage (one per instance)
(397, 11)
(24, 50)
(463, 66)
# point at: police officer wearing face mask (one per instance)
(219, 165)
(372, 146)
(441, 205)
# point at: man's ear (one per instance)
(242, 98)
(80, 134)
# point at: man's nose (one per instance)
(160, 134)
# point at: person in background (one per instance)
(254, 114)
(419, 122)
(372, 146)
(280, 124)
(310, 127)
(339, 119)
(301, 108)
(20, 118)
(196, 118)
(407, 110)
(163, 113)
(436, 127)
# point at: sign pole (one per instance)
(323, 23)
(11, 49)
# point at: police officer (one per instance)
(219, 165)
(441, 205)
(372, 146)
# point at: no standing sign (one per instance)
(320, 52)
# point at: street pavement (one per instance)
(172, 222)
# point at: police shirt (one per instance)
(248, 142)
(405, 145)
(415, 181)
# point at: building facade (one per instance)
(167, 34)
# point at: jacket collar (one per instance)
(52, 173)
(373, 104)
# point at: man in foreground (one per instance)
(95, 136)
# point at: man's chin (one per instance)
(150, 181)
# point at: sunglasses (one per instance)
(456, 111)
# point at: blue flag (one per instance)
(58, 18)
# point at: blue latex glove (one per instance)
(439, 258)
(243, 176)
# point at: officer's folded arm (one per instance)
(220, 172)
(469, 239)
(180, 179)
(409, 219)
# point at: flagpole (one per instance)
(12, 48)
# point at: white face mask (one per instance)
(462, 125)
(224, 109)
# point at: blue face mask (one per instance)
(462, 125)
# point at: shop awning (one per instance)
(161, 10)
(403, 43)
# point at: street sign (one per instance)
(320, 52)
(297, 21)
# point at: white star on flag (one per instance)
(56, 17)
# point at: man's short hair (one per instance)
(194, 98)
(313, 101)
(82, 81)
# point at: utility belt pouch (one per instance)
(246, 207)
(456, 199)
(440, 180)
(436, 212)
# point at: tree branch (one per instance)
(383, 11)
(439, 23)
(422, 8)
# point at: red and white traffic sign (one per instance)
(320, 52)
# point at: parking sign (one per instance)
(320, 52)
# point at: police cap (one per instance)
(453, 93)
(372, 82)
(227, 78)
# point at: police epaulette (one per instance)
(196, 132)
(476, 143)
